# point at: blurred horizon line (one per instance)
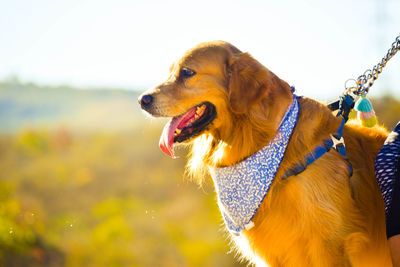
(15, 78)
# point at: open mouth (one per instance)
(186, 126)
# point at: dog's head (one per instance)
(208, 88)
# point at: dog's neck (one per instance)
(244, 134)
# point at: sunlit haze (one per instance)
(314, 45)
(83, 181)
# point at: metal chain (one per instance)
(366, 80)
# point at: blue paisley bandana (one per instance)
(241, 188)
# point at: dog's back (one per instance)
(322, 216)
(371, 247)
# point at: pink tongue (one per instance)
(167, 137)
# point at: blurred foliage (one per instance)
(103, 199)
(15, 234)
(83, 183)
(387, 109)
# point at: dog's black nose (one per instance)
(146, 100)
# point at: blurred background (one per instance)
(82, 180)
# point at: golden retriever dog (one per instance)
(228, 106)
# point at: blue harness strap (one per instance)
(345, 104)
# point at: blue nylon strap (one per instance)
(341, 149)
(338, 135)
(322, 149)
(339, 131)
(319, 151)
(329, 143)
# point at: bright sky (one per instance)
(314, 45)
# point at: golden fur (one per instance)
(320, 217)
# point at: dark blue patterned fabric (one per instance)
(387, 171)
(242, 188)
(386, 165)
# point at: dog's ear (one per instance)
(248, 82)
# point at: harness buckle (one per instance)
(337, 141)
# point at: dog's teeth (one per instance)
(200, 109)
(178, 131)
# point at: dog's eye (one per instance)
(186, 73)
